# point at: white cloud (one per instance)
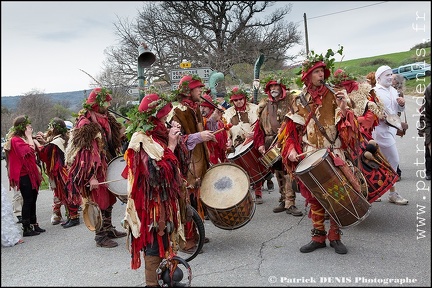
(44, 44)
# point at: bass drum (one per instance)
(115, 182)
(225, 194)
(336, 188)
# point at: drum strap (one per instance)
(312, 113)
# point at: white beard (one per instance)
(274, 93)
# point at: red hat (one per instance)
(189, 82)
(316, 65)
(149, 104)
(237, 93)
(275, 82)
(98, 97)
(209, 99)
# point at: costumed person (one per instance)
(52, 154)
(368, 110)
(10, 232)
(384, 134)
(156, 185)
(243, 115)
(213, 121)
(23, 171)
(93, 143)
(424, 130)
(187, 113)
(398, 82)
(271, 111)
(319, 119)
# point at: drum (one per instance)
(115, 182)
(247, 157)
(333, 189)
(271, 157)
(225, 194)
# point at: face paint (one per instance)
(385, 79)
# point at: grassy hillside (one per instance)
(361, 67)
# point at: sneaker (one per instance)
(270, 185)
(258, 200)
(339, 247)
(294, 211)
(279, 208)
(397, 199)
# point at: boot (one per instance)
(113, 233)
(107, 225)
(106, 243)
(151, 264)
(71, 223)
(339, 247)
(312, 246)
(37, 228)
(28, 229)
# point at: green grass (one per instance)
(361, 67)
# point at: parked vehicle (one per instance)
(414, 70)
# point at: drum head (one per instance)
(224, 186)
(92, 216)
(115, 168)
(311, 161)
(240, 150)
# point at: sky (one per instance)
(45, 44)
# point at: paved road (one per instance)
(391, 247)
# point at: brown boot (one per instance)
(113, 233)
(151, 264)
(106, 242)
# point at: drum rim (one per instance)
(235, 156)
(310, 167)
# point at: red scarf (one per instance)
(193, 105)
(316, 93)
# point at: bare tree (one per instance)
(216, 34)
(38, 107)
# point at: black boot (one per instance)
(312, 246)
(28, 229)
(37, 228)
(71, 223)
(66, 222)
(339, 247)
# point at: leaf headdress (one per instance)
(143, 121)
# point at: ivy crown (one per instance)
(142, 121)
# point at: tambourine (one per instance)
(92, 215)
(393, 120)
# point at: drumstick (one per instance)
(106, 182)
(302, 154)
(226, 127)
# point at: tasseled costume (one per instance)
(54, 160)
(90, 148)
(155, 189)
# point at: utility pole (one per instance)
(306, 33)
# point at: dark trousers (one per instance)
(29, 195)
(428, 162)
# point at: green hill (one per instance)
(361, 67)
